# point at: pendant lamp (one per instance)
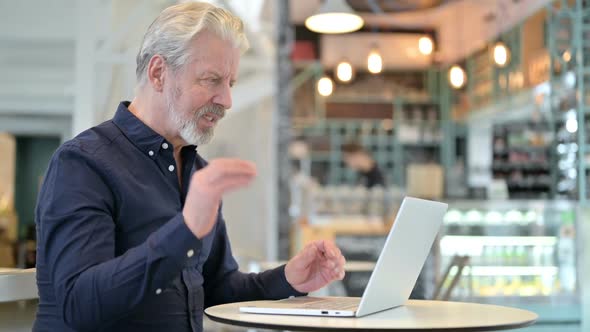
(334, 16)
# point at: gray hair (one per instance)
(171, 32)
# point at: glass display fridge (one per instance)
(517, 253)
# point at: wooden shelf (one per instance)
(303, 233)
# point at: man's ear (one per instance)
(156, 71)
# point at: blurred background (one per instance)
(478, 103)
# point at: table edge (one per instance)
(311, 328)
(12, 283)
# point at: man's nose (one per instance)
(223, 97)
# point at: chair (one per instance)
(459, 262)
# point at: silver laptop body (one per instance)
(402, 257)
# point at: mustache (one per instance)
(215, 109)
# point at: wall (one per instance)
(535, 57)
(250, 213)
(32, 157)
(7, 151)
(41, 60)
(480, 123)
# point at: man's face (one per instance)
(198, 94)
(352, 160)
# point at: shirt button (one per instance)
(190, 253)
(151, 153)
(158, 291)
(171, 168)
(164, 145)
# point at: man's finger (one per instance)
(337, 251)
(219, 168)
(342, 260)
(328, 264)
(232, 166)
(233, 183)
(325, 247)
(335, 272)
(307, 256)
(216, 177)
(232, 161)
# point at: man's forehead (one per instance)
(224, 64)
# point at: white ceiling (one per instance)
(460, 25)
(38, 41)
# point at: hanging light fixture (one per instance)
(325, 86)
(344, 71)
(501, 54)
(567, 56)
(457, 77)
(425, 45)
(334, 16)
(374, 61)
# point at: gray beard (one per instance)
(188, 127)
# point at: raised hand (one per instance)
(207, 187)
(318, 264)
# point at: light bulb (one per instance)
(325, 86)
(457, 77)
(344, 71)
(374, 62)
(425, 45)
(567, 56)
(501, 54)
(571, 125)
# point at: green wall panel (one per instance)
(32, 157)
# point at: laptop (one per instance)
(396, 271)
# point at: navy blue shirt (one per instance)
(114, 253)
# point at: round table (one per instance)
(416, 315)
(17, 284)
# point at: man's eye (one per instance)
(210, 81)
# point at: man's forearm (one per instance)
(101, 294)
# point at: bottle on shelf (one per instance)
(521, 256)
(548, 259)
(566, 258)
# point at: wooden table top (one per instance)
(416, 315)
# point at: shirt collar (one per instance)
(142, 136)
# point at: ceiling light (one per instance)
(334, 16)
(425, 45)
(374, 62)
(569, 79)
(571, 125)
(501, 54)
(567, 56)
(344, 71)
(325, 86)
(457, 77)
